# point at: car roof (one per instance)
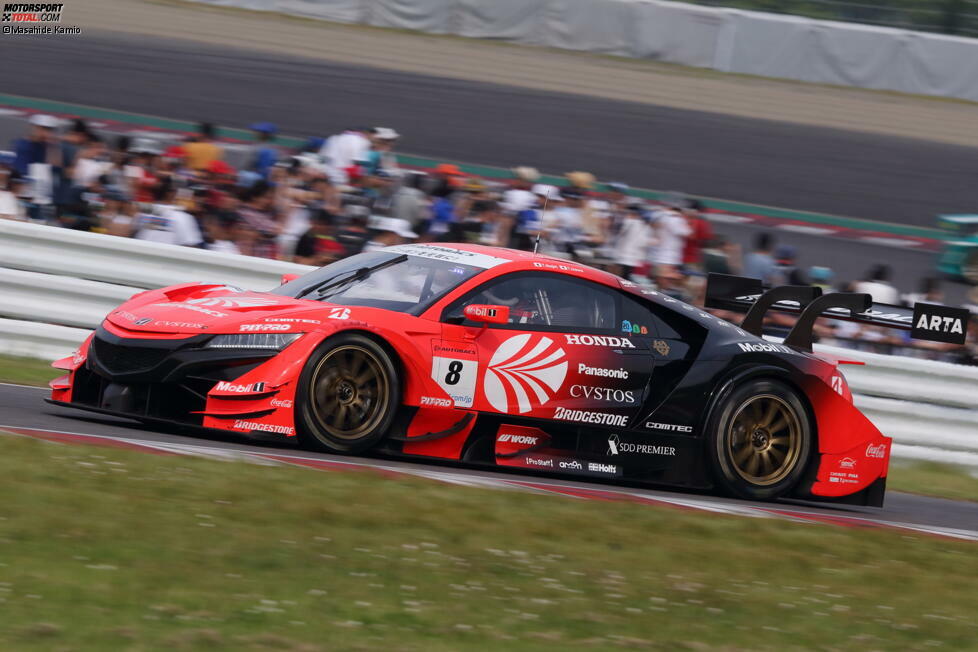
(520, 260)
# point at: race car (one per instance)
(488, 356)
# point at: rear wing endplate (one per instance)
(739, 294)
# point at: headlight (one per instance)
(274, 341)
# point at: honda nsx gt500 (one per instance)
(505, 358)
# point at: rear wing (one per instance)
(739, 294)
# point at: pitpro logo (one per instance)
(525, 372)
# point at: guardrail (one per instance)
(57, 284)
(125, 261)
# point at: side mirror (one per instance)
(287, 278)
(487, 314)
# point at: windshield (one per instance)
(386, 279)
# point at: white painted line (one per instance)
(727, 218)
(24, 386)
(889, 242)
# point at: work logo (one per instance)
(525, 372)
(234, 302)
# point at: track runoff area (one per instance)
(25, 414)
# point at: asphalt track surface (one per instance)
(23, 407)
(886, 178)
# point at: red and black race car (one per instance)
(505, 358)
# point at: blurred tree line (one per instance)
(945, 16)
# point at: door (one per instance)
(564, 354)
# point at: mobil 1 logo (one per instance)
(939, 323)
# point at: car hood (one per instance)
(197, 309)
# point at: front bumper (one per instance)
(165, 380)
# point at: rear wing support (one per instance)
(800, 336)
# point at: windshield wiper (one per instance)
(356, 275)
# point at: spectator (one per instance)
(671, 231)
(409, 202)
(634, 239)
(342, 151)
(759, 263)
(220, 229)
(877, 285)
(821, 277)
(721, 256)
(353, 235)
(11, 207)
(566, 230)
(319, 246)
(117, 216)
(930, 292)
(443, 216)
(388, 231)
(520, 196)
(91, 162)
(786, 266)
(700, 234)
(39, 157)
(257, 213)
(202, 150)
(168, 223)
(265, 154)
(380, 156)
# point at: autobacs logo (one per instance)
(525, 372)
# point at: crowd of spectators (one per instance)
(345, 194)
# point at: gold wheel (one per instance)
(764, 440)
(349, 393)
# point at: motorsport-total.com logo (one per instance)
(31, 18)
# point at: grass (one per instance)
(925, 478)
(111, 549)
(27, 371)
(933, 479)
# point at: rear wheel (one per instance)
(761, 440)
(348, 395)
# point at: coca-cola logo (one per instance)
(878, 451)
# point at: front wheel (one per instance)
(347, 397)
(760, 440)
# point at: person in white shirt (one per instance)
(671, 230)
(878, 286)
(168, 223)
(91, 163)
(632, 243)
(342, 151)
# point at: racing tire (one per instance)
(348, 395)
(761, 440)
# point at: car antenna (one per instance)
(536, 241)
